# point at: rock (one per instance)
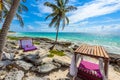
(3, 64)
(14, 74)
(75, 47)
(63, 79)
(59, 48)
(61, 62)
(35, 78)
(34, 59)
(16, 52)
(45, 68)
(118, 62)
(2, 74)
(117, 68)
(8, 56)
(64, 44)
(23, 65)
(114, 59)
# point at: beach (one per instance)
(110, 41)
(38, 65)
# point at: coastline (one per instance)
(109, 49)
(37, 62)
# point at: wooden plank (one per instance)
(101, 53)
(94, 52)
(84, 49)
(79, 48)
(97, 51)
(105, 54)
(88, 51)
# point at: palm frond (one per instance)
(20, 20)
(1, 16)
(63, 24)
(24, 1)
(53, 6)
(71, 8)
(57, 24)
(66, 1)
(53, 20)
(51, 15)
(22, 8)
(60, 2)
(67, 20)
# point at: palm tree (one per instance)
(5, 7)
(8, 19)
(58, 15)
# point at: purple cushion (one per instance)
(30, 48)
(90, 67)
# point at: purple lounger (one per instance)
(29, 48)
(89, 70)
(27, 44)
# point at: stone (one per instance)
(22, 64)
(35, 78)
(14, 74)
(34, 59)
(118, 62)
(45, 68)
(61, 62)
(3, 64)
(117, 68)
(9, 56)
(2, 74)
(63, 79)
(75, 47)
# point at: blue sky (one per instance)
(94, 16)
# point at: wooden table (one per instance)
(96, 52)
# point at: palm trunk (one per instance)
(6, 25)
(55, 39)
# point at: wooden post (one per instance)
(75, 59)
(106, 64)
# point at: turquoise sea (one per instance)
(110, 41)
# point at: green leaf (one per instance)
(24, 1)
(20, 20)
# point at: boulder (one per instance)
(117, 68)
(2, 74)
(23, 65)
(63, 79)
(64, 44)
(118, 62)
(45, 68)
(14, 74)
(114, 59)
(9, 56)
(75, 47)
(34, 59)
(61, 62)
(3, 64)
(35, 78)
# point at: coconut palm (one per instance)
(5, 7)
(15, 8)
(59, 10)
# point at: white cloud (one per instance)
(30, 27)
(95, 8)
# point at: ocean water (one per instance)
(110, 41)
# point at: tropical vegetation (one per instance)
(8, 9)
(56, 52)
(59, 15)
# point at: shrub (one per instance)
(56, 52)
